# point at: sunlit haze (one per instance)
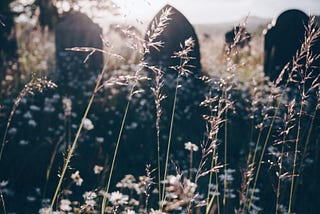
(214, 11)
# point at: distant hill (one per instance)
(255, 25)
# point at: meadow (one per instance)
(138, 140)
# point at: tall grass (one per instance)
(35, 85)
(191, 192)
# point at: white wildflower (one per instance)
(23, 142)
(89, 195)
(67, 106)
(32, 123)
(90, 203)
(12, 131)
(65, 205)
(27, 115)
(31, 198)
(99, 139)
(134, 202)
(117, 198)
(152, 211)
(3, 183)
(76, 178)
(35, 108)
(47, 211)
(97, 169)
(87, 124)
(191, 147)
(129, 212)
(127, 182)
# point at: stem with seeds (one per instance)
(280, 171)
(104, 200)
(74, 144)
(169, 143)
(225, 183)
(307, 141)
(295, 159)
(261, 157)
(213, 163)
(3, 203)
(263, 149)
(190, 162)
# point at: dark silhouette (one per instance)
(282, 41)
(75, 29)
(178, 30)
(243, 40)
(48, 15)
(188, 121)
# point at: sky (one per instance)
(214, 11)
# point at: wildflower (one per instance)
(89, 195)
(23, 142)
(134, 202)
(3, 183)
(47, 210)
(32, 123)
(191, 147)
(90, 203)
(129, 212)
(117, 198)
(189, 187)
(173, 180)
(76, 178)
(27, 115)
(142, 185)
(152, 211)
(12, 131)
(273, 151)
(229, 193)
(97, 169)
(67, 106)
(34, 108)
(127, 182)
(65, 205)
(171, 195)
(4, 189)
(99, 139)
(31, 198)
(48, 107)
(87, 124)
(228, 177)
(9, 78)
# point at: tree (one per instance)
(47, 17)
(8, 42)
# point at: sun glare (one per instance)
(138, 10)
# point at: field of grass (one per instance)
(139, 140)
